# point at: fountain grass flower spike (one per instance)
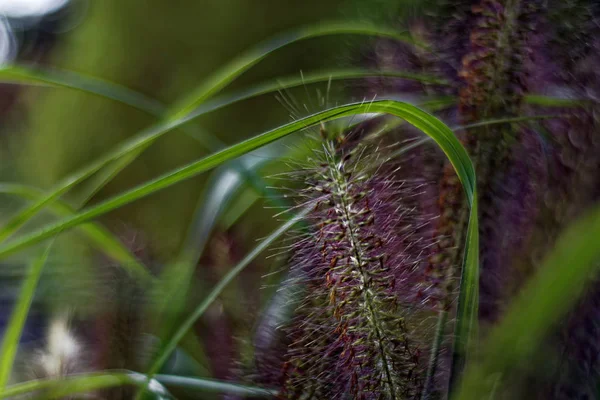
(361, 263)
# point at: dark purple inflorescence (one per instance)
(352, 334)
(372, 274)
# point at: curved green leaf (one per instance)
(171, 344)
(34, 75)
(179, 114)
(551, 101)
(541, 304)
(211, 385)
(101, 237)
(431, 126)
(81, 383)
(310, 78)
(246, 60)
(12, 335)
(440, 133)
(420, 119)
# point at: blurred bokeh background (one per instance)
(536, 178)
(161, 49)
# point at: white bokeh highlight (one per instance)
(29, 8)
(7, 43)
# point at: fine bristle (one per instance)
(360, 267)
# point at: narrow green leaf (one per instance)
(420, 119)
(544, 301)
(176, 276)
(550, 101)
(82, 383)
(211, 385)
(508, 120)
(440, 133)
(310, 78)
(466, 331)
(246, 60)
(181, 331)
(99, 236)
(178, 115)
(12, 335)
(34, 75)
(101, 179)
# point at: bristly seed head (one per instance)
(361, 265)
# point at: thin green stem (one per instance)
(171, 344)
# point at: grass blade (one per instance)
(566, 270)
(466, 331)
(551, 101)
(179, 114)
(80, 383)
(420, 119)
(210, 385)
(457, 155)
(429, 124)
(99, 236)
(101, 179)
(220, 189)
(71, 385)
(246, 60)
(36, 76)
(508, 120)
(12, 335)
(181, 331)
(307, 79)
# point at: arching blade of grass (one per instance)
(260, 186)
(28, 75)
(81, 383)
(210, 385)
(466, 331)
(429, 124)
(440, 133)
(178, 115)
(72, 385)
(100, 179)
(551, 101)
(510, 120)
(181, 331)
(99, 236)
(36, 76)
(12, 335)
(466, 319)
(177, 275)
(310, 78)
(544, 301)
(244, 61)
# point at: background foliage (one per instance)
(150, 230)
